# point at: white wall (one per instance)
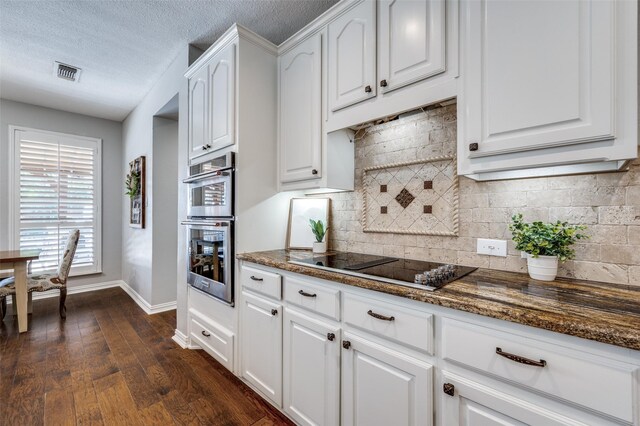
(165, 215)
(137, 244)
(20, 114)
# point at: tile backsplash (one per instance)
(608, 203)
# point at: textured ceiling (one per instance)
(122, 47)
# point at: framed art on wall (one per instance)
(301, 210)
(135, 184)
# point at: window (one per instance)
(57, 183)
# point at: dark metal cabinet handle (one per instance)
(331, 337)
(205, 334)
(367, 89)
(314, 172)
(383, 83)
(305, 294)
(256, 278)
(449, 389)
(473, 146)
(380, 317)
(346, 344)
(274, 312)
(520, 359)
(205, 147)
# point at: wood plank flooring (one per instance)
(110, 363)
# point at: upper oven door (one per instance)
(211, 195)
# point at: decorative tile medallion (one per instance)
(404, 198)
(420, 197)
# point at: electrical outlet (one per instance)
(492, 247)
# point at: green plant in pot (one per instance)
(319, 231)
(545, 244)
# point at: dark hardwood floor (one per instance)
(110, 363)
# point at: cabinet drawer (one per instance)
(594, 382)
(260, 281)
(216, 340)
(404, 325)
(323, 300)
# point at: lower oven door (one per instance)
(210, 262)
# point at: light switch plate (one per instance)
(492, 247)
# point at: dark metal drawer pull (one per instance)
(380, 317)
(449, 389)
(274, 312)
(520, 359)
(331, 336)
(205, 334)
(256, 279)
(346, 344)
(305, 294)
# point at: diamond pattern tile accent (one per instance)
(426, 200)
(404, 198)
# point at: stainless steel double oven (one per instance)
(210, 224)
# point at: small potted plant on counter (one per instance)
(545, 244)
(318, 229)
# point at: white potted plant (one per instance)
(545, 244)
(318, 229)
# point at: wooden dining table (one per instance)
(17, 260)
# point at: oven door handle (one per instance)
(203, 223)
(203, 176)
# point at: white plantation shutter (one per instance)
(58, 177)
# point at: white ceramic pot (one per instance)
(320, 247)
(543, 268)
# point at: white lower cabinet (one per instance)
(467, 403)
(384, 387)
(262, 345)
(327, 354)
(311, 369)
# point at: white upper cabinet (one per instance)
(411, 41)
(300, 118)
(222, 98)
(198, 113)
(351, 68)
(546, 77)
(212, 98)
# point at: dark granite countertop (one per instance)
(603, 312)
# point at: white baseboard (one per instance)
(76, 289)
(181, 339)
(146, 306)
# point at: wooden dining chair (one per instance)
(44, 282)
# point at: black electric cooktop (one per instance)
(411, 273)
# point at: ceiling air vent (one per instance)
(66, 72)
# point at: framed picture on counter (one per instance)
(301, 210)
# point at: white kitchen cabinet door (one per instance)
(466, 403)
(383, 387)
(262, 345)
(411, 41)
(311, 369)
(222, 97)
(537, 74)
(351, 55)
(300, 111)
(198, 113)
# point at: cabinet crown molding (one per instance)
(232, 34)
